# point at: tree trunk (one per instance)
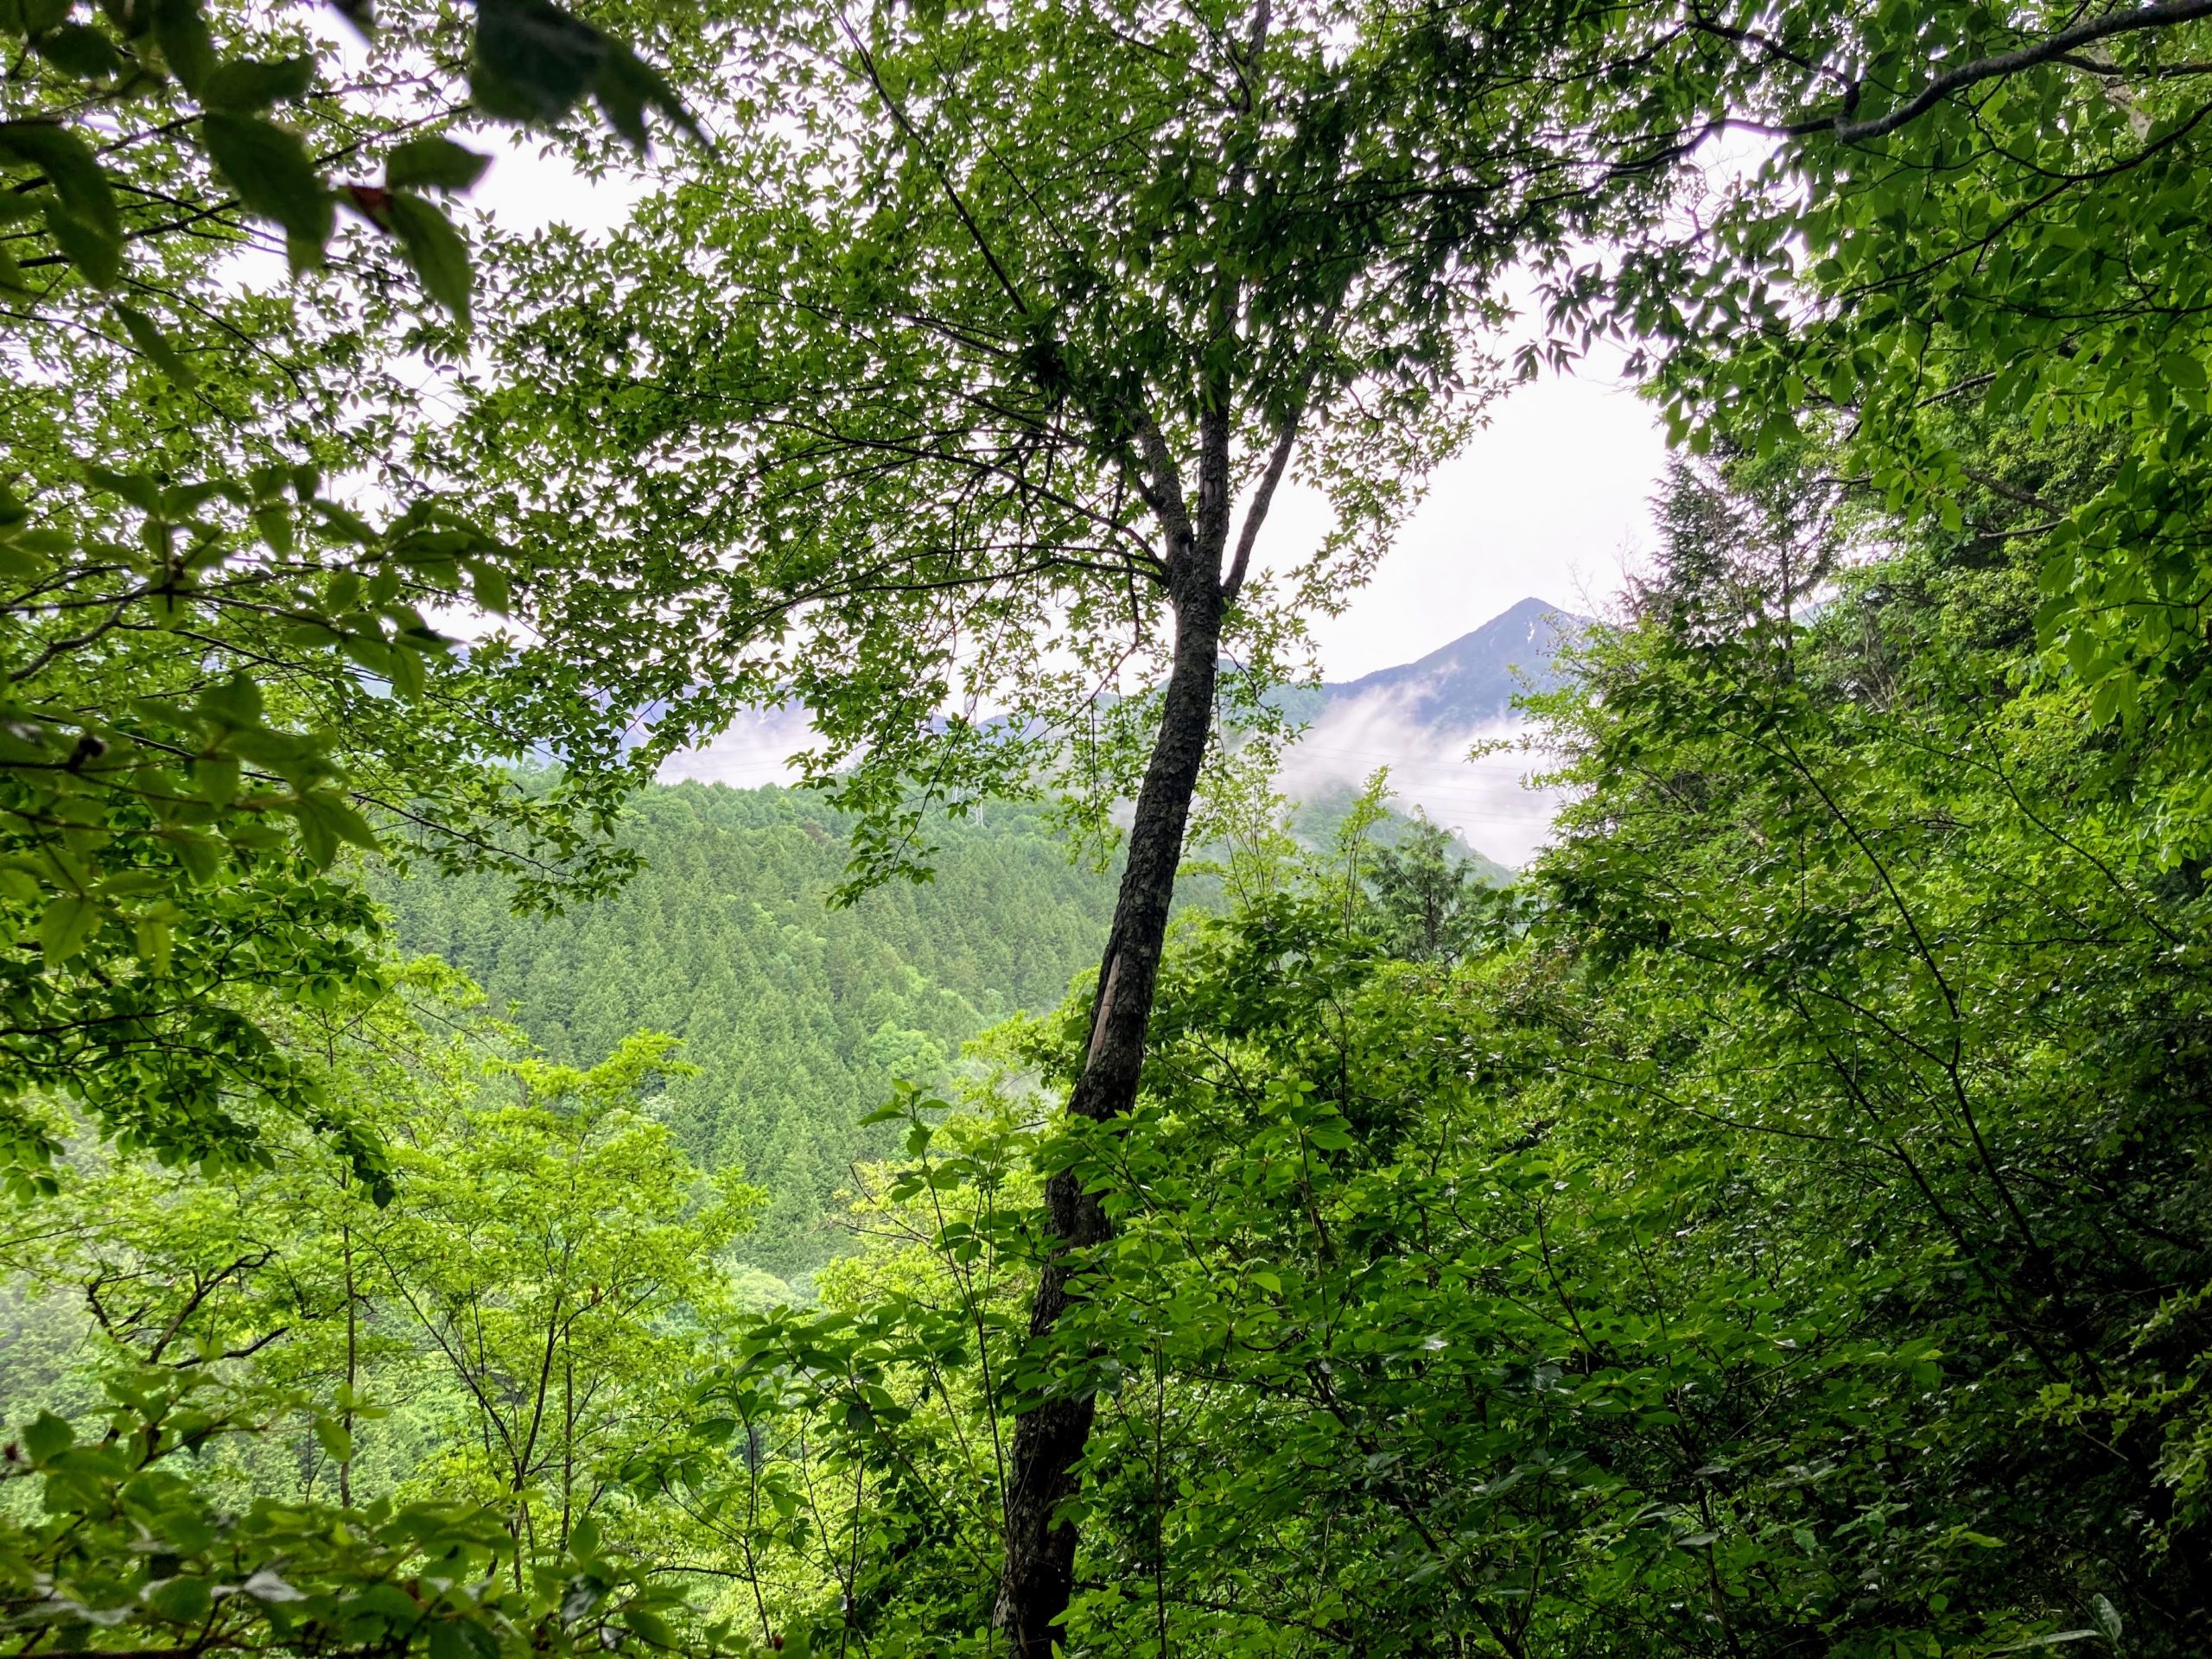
(1037, 1577)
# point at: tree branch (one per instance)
(2163, 15)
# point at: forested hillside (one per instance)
(797, 1015)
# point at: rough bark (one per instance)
(1037, 1577)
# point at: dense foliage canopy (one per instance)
(1778, 1224)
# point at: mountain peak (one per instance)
(1474, 679)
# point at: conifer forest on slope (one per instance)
(1024, 1190)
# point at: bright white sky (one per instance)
(1550, 501)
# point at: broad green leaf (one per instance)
(435, 248)
(78, 49)
(150, 339)
(180, 27)
(185, 1600)
(628, 89)
(36, 16)
(65, 927)
(268, 167)
(403, 661)
(533, 61)
(47, 1436)
(232, 702)
(67, 161)
(97, 255)
(489, 585)
(242, 86)
(139, 489)
(434, 163)
(156, 945)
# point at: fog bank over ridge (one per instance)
(1420, 719)
(1423, 719)
(1485, 798)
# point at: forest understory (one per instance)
(1028, 1188)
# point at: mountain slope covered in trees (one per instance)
(797, 1016)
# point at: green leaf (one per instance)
(79, 50)
(435, 248)
(247, 85)
(627, 88)
(235, 701)
(69, 166)
(325, 820)
(150, 341)
(140, 491)
(46, 1437)
(96, 256)
(67, 925)
(156, 942)
(434, 164)
(404, 664)
(180, 29)
(36, 16)
(268, 166)
(489, 584)
(2108, 1619)
(650, 1627)
(215, 779)
(201, 855)
(274, 522)
(183, 1600)
(533, 61)
(462, 1638)
(334, 1439)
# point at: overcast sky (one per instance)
(1550, 501)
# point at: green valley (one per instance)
(797, 1016)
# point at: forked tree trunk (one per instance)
(1037, 1577)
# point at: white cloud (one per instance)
(754, 751)
(1550, 501)
(1486, 798)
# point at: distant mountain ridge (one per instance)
(1475, 677)
(1470, 683)
(1421, 720)
(1417, 718)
